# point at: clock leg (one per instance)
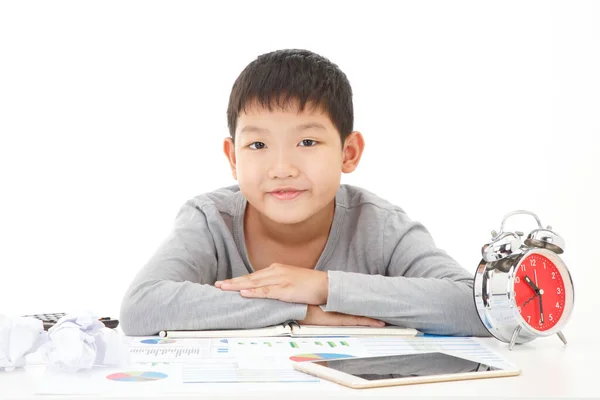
(562, 337)
(513, 340)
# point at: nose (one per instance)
(282, 167)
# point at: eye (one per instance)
(257, 145)
(308, 143)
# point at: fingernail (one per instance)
(218, 283)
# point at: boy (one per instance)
(291, 242)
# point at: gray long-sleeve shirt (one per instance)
(380, 264)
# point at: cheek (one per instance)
(325, 178)
(325, 169)
(248, 170)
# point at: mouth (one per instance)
(286, 194)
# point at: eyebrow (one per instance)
(302, 127)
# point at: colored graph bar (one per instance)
(331, 344)
(268, 344)
(294, 345)
(319, 343)
(344, 343)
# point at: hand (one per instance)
(533, 285)
(539, 296)
(316, 316)
(539, 292)
(541, 308)
(529, 299)
(281, 282)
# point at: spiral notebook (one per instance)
(294, 329)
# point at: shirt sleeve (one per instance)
(175, 289)
(423, 288)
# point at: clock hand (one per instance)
(541, 308)
(528, 300)
(533, 285)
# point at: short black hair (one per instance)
(298, 75)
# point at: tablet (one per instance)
(406, 369)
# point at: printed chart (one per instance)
(176, 367)
(158, 341)
(151, 349)
(466, 347)
(136, 376)
(277, 353)
(232, 373)
(172, 354)
(297, 344)
(319, 356)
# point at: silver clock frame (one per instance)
(494, 296)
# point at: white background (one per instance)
(112, 115)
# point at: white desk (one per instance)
(549, 369)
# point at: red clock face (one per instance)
(539, 292)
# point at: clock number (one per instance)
(529, 318)
(522, 267)
(550, 317)
(517, 280)
(540, 323)
(544, 264)
(553, 275)
(532, 262)
(557, 290)
(519, 308)
(557, 305)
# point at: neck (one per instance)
(298, 234)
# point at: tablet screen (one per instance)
(406, 365)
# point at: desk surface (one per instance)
(549, 369)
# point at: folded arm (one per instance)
(424, 288)
(175, 289)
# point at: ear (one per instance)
(352, 152)
(229, 150)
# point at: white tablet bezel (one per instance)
(356, 382)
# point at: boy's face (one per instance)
(288, 164)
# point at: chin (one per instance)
(286, 218)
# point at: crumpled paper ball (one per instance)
(75, 342)
(19, 336)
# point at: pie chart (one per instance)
(318, 356)
(136, 376)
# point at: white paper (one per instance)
(81, 341)
(19, 336)
(275, 352)
(75, 342)
(212, 365)
(178, 378)
(466, 347)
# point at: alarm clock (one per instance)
(522, 288)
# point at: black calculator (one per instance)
(50, 319)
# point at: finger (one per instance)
(251, 281)
(264, 292)
(272, 270)
(366, 321)
(241, 282)
(237, 280)
(274, 292)
(361, 321)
